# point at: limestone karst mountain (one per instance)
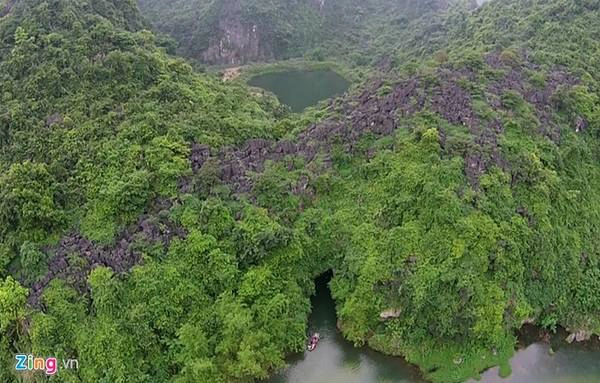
(235, 32)
(150, 212)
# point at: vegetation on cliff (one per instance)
(95, 127)
(149, 213)
(235, 32)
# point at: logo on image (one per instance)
(47, 365)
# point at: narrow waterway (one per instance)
(301, 89)
(336, 361)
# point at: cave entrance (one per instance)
(323, 317)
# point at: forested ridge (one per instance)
(160, 225)
(236, 32)
(96, 125)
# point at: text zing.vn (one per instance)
(47, 365)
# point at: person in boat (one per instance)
(313, 341)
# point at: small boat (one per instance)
(312, 343)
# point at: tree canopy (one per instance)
(150, 212)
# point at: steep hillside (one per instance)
(234, 32)
(149, 213)
(458, 191)
(96, 126)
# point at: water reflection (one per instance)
(300, 89)
(553, 362)
(337, 361)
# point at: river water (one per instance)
(554, 361)
(301, 89)
(336, 361)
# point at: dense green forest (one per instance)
(96, 126)
(160, 225)
(235, 32)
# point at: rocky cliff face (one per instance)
(235, 32)
(244, 35)
(237, 41)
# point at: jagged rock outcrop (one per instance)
(390, 314)
(372, 112)
(579, 336)
(6, 7)
(75, 256)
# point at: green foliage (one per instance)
(12, 304)
(96, 129)
(33, 262)
(284, 29)
(287, 28)
(12, 315)
(464, 268)
(256, 235)
(28, 201)
(96, 123)
(101, 124)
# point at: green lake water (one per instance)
(336, 361)
(301, 89)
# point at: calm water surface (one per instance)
(301, 89)
(553, 362)
(337, 361)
